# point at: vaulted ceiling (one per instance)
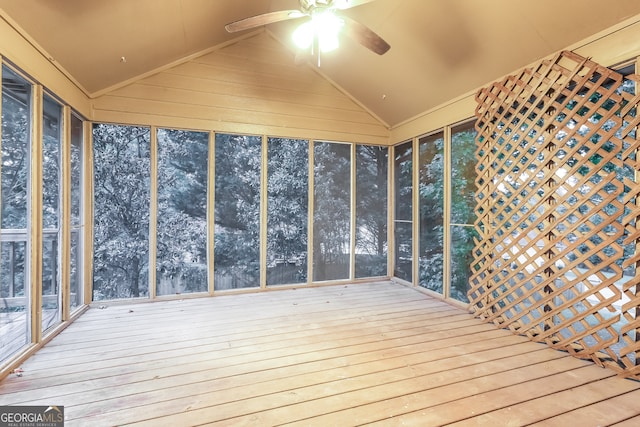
(440, 49)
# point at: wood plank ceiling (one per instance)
(440, 49)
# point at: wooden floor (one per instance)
(377, 353)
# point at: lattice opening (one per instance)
(557, 209)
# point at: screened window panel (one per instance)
(371, 210)
(16, 128)
(237, 211)
(403, 221)
(51, 173)
(182, 212)
(14, 265)
(404, 256)
(76, 297)
(431, 199)
(51, 127)
(287, 211)
(14, 312)
(332, 211)
(76, 169)
(50, 280)
(463, 175)
(75, 273)
(121, 211)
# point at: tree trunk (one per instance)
(135, 277)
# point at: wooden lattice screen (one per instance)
(558, 204)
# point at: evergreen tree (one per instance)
(371, 210)
(182, 211)
(121, 211)
(288, 200)
(331, 222)
(237, 211)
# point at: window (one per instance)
(431, 199)
(463, 175)
(182, 212)
(121, 211)
(287, 211)
(51, 173)
(237, 211)
(332, 211)
(371, 210)
(435, 198)
(14, 261)
(77, 228)
(403, 221)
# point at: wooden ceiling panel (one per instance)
(439, 49)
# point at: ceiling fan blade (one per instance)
(264, 19)
(365, 36)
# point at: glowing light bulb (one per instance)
(327, 27)
(328, 41)
(323, 26)
(303, 35)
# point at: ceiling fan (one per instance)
(321, 30)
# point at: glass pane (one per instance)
(461, 258)
(431, 194)
(121, 211)
(404, 255)
(629, 274)
(237, 211)
(14, 292)
(463, 187)
(76, 297)
(76, 169)
(16, 127)
(50, 281)
(372, 164)
(51, 142)
(75, 278)
(403, 223)
(332, 211)
(52, 113)
(14, 311)
(287, 217)
(182, 212)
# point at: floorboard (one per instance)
(376, 354)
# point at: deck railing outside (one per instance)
(15, 291)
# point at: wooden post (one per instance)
(153, 211)
(35, 239)
(415, 212)
(211, 206)
(86, 236)
(264, 211)
(353, 212)
(65, 215)
(446, 213)
(311, 210)
(391, 214)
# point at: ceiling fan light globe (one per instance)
(303, 35)
(327, 27)
(327, 21)
(328, 41)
